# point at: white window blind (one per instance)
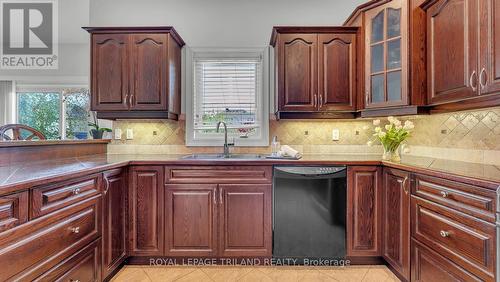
(229, 90)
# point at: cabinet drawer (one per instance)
(467, 241)
(218, 174)
(13, 210)
(473, 200)
(428, 265)
(49, 198)
(38, 245)
(82, 266)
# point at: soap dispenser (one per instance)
(275, 147)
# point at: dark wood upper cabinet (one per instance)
(149, 72)
(297, 73)
(146, 206)
(489, 38)
(110, 73)
(315, 71)
(391, 58)
(396, 221)
(452, 53)
(386, 51)
(364, 211)
(245, 220)
(337, 72)
(114, 239)
(463, 40)
(135, 72)
(191, 217)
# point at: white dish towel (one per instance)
(287, 151)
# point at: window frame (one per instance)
(60, 89)
(191, 54)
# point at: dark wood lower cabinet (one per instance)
(37, 246)
(364, 211)
(439, 229)
(191, 220)
(13, 210)
(83, 266)
(245, 220)
(211, 220)
(146, 206)
(429, 266)
(396, 221)
(114, 237)
(467, 241)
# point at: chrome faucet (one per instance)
(226, 145)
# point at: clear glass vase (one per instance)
(396, 157)
(387, 156)
(392, 154)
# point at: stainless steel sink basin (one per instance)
(222, 157)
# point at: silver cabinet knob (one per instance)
(75, 230)
(444, 194)
(444, 234)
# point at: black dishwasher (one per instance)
(309, 213)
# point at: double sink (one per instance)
(224, 157)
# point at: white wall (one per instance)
(226, 23)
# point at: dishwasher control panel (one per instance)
(311, 170)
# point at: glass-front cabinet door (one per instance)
(386, 41)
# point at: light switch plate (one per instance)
(130, 134)
(335, 135)
(118, 134)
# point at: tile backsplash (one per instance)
(472, 130)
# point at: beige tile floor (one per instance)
(251, 274)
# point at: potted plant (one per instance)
(97, 131)
(395, 133)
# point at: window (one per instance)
(228, 87)
(42, 108)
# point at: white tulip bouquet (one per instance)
(395, 133)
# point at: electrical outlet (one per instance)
(130, 134)
(335, 135)
(118, 134)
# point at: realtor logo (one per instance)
(29, 34)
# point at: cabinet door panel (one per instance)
(149, 71)
(364, 211)
(110, 72)
(191, 217)
(386, 58)
(84, 265)
(489, 36)
(337, 75)
(428, 265)
(245, 220)
(13, 210)
(298, 77)
(452, 36)
(114, 221)
(396, 221)
(467, 241)
(146, 210)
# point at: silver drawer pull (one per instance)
(76, 191)
(74, 280)
(444, 234)
(75, 230)
(472, 79)
(444, 194)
